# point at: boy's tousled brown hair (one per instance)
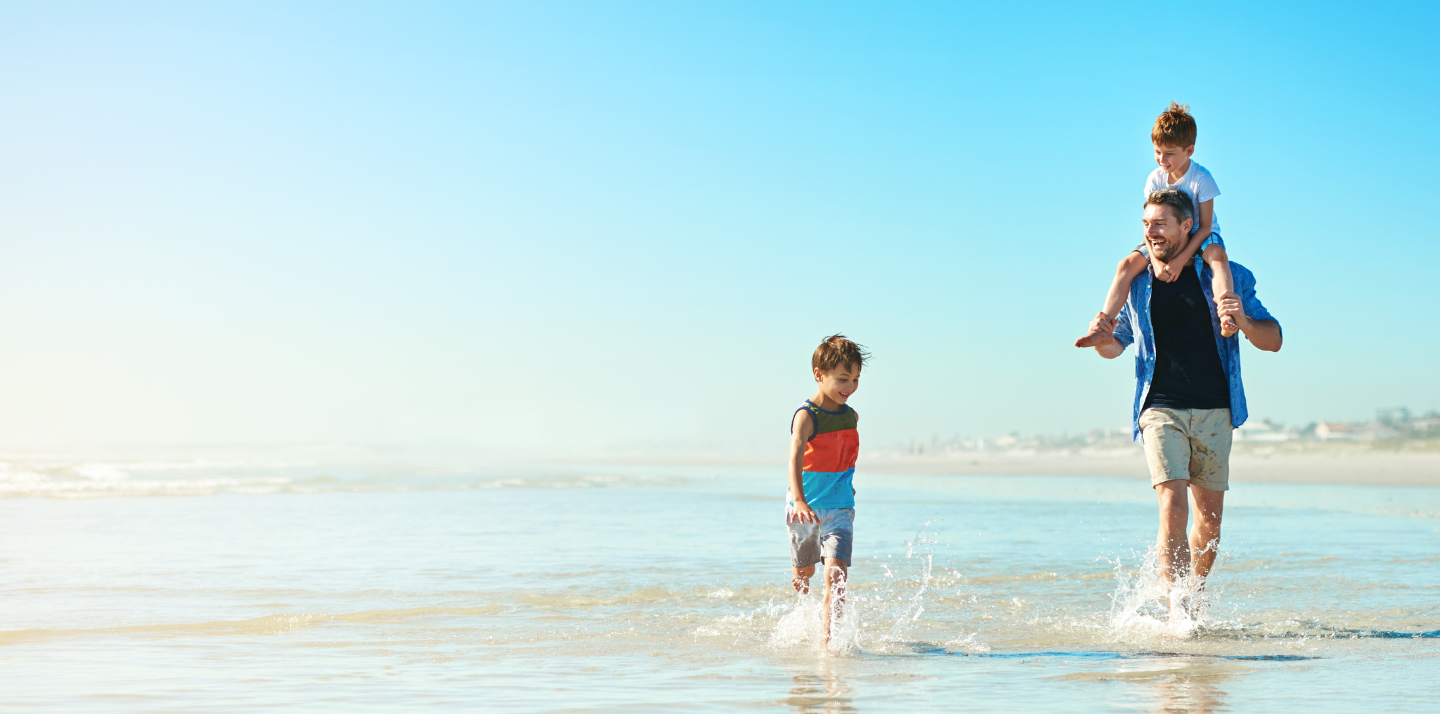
(1174, 127)
(836, 351)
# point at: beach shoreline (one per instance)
(1408, 464)
(1354, 468)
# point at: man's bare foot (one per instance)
(1177, 609)
(1194, 601)
(1093, 338)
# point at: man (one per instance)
(1188, 394)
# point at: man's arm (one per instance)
(1259, 326)
(801, 427)
(1264, 334)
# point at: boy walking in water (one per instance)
(1174, 138)
(821, 498)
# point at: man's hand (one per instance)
(1105, 326)
(1228, 304)
(801, 512)
(1099, 334)
(1264, 334)
(1102, 337)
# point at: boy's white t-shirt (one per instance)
(1197, 183)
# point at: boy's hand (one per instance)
(1163, 271)
(802, 513)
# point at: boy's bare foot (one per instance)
(1101, 330)
(1092, 338)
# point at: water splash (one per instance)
(802, 624)
(912, 608)
(1142, 608)
(894, 604)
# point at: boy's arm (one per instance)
(801, 427)
(1171, 272)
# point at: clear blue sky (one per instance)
(567, 226)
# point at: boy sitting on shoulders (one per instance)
(1174, 138)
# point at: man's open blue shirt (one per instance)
(1137, 312)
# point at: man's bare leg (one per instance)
(836, 574)
(1209, 506)
(801, 579)
(1171, 548)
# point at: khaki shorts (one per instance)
(1189, 445)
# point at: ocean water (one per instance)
(244, 586)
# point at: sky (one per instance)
(572, 228)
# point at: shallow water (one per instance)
(242, 586)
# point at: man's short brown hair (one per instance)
(1176, 199)
(1174, 127)
(836, 351)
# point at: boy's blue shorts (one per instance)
(832, 537)
(1212, 239)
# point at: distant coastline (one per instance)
(1397, 448)
(1413, 463)
(1379, 463)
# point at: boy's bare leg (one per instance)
(1125, 273)
(801, 579)
(836, 574)
(1172, 549)
(1221, 282)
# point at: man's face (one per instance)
(1165, 233)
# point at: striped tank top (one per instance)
(830, 457)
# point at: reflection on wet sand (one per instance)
(1191, 693)
(822, 692)
(1194, 685)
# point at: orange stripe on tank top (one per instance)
(832, 451)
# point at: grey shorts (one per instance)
(832, 537)
(1188, 444)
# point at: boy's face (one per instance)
(1173, 158)
(839, 383)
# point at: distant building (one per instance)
(1265, 431)
(1397, 415)
(1334, 431)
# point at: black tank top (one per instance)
(1188, 372)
